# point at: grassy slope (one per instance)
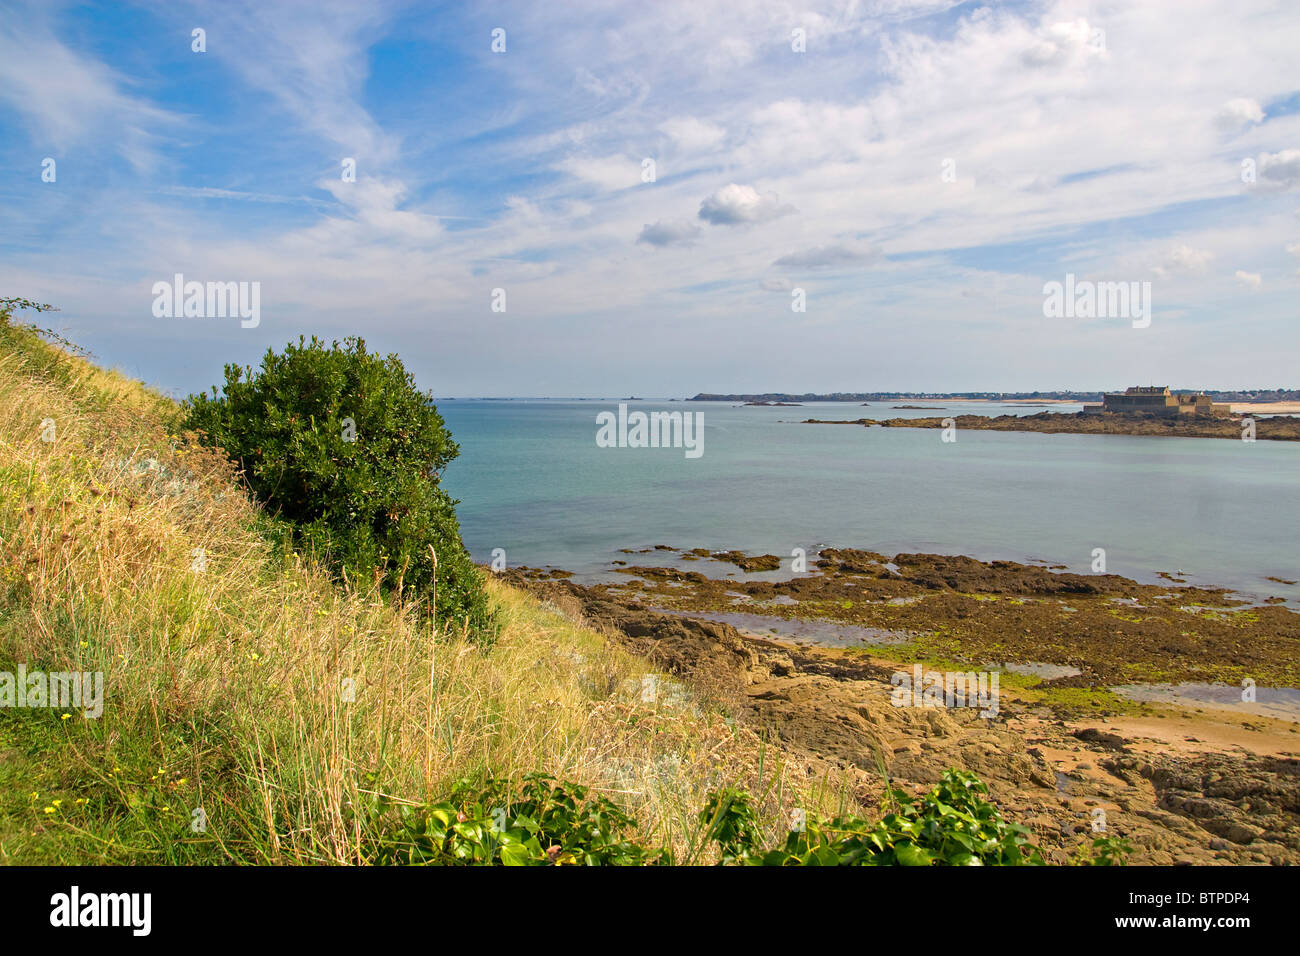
(223, 684)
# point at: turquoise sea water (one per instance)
(533, 482)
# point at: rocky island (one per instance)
(1277, 428)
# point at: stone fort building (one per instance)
(1156, 400)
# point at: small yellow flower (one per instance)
(183, 781)
(56, 802)
(64, 716)
(82, 800)
(49, 809)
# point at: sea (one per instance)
(536, 489)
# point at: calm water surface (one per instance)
(533, 482)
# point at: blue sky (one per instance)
(1100, 139)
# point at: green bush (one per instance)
(343, 446)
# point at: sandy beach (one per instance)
(1266, 408)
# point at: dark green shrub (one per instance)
(343, 446)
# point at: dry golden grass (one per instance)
(228, 664)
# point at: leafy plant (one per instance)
(729, 820)
(547, 824)
(11, 303)
(952, 825)
(344, 446)
(1107, 851)
(553, 823)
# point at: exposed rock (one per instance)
(1191, 808)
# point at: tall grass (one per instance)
(242, 682)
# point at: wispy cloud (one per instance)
(67, 98)
(829, 257)
(209, 192)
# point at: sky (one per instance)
(606, 199)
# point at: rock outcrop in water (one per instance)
(1277, 428)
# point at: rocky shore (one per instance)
(1280, 428)
(1185, 784)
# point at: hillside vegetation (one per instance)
(258, 708)
(255, 710)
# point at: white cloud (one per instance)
(1238, 113)
(1251, 279)
(1183, 260)
(795, 132)
(693, 135)
(1068, 42)
(728, 52)
(734, 204)
(1281, 170)
(665, 233)
(607, 172)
